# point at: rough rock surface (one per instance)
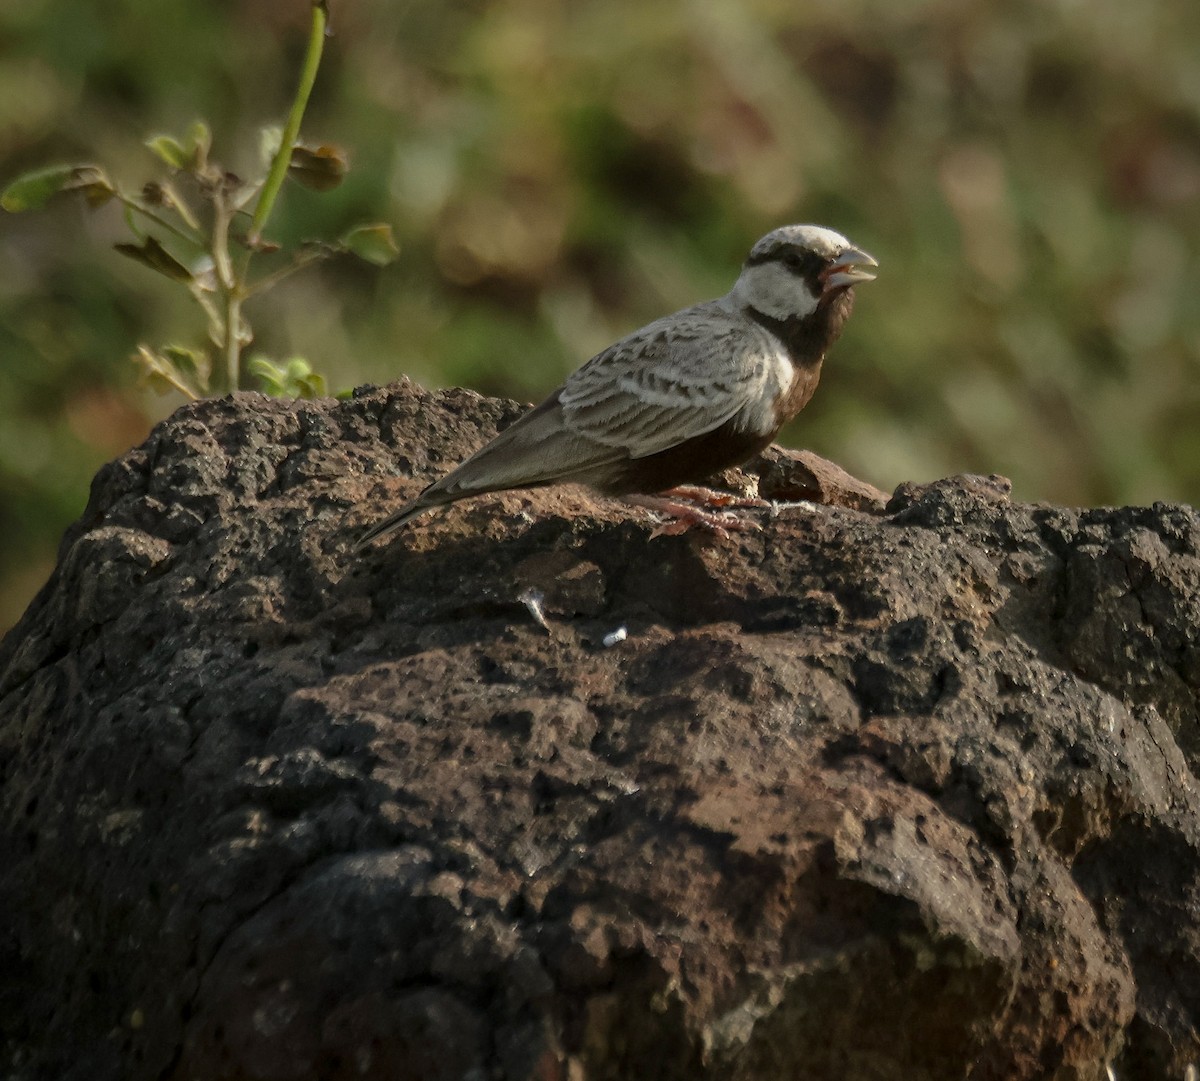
(903, 794)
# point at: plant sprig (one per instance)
(211, 253)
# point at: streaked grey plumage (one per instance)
(720, 377)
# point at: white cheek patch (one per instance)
(775, 291)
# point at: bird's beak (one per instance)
(847, 269)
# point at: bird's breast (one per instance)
(777, 387)
(796, 394)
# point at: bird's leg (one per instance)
(711, 497)
(682, 516)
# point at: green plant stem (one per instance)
(158, 220)
(180, 207)
(231, 347)
(180, 385)
(210, 310)
(231, 291)
(299, 262)
(291, 130)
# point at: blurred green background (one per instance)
(1027, 174)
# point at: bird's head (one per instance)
(796, 269)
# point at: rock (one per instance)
(900, 793)
(801, 475)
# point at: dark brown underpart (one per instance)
(688, 462)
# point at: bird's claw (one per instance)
(680, 517)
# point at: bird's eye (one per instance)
(793, 261)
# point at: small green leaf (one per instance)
(194, 366)
(131, 221)
(162, 374)
(152, 370)
(152, 254)
(302, 380)
(171, 151)
(319, 168)
(295, 380)
(190, 154)
(270, 377)
(33, 190)
(313, 386)
(199, 142)
(374, 243)
(93, 183)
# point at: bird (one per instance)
(684, 397)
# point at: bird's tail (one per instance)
(534, 451)
(394, 521)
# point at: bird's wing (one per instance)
(676, 379)
(539, 448)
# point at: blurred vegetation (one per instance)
(209, 252)
(1027, 174)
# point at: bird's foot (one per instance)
(712, 497)
(680, 517)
